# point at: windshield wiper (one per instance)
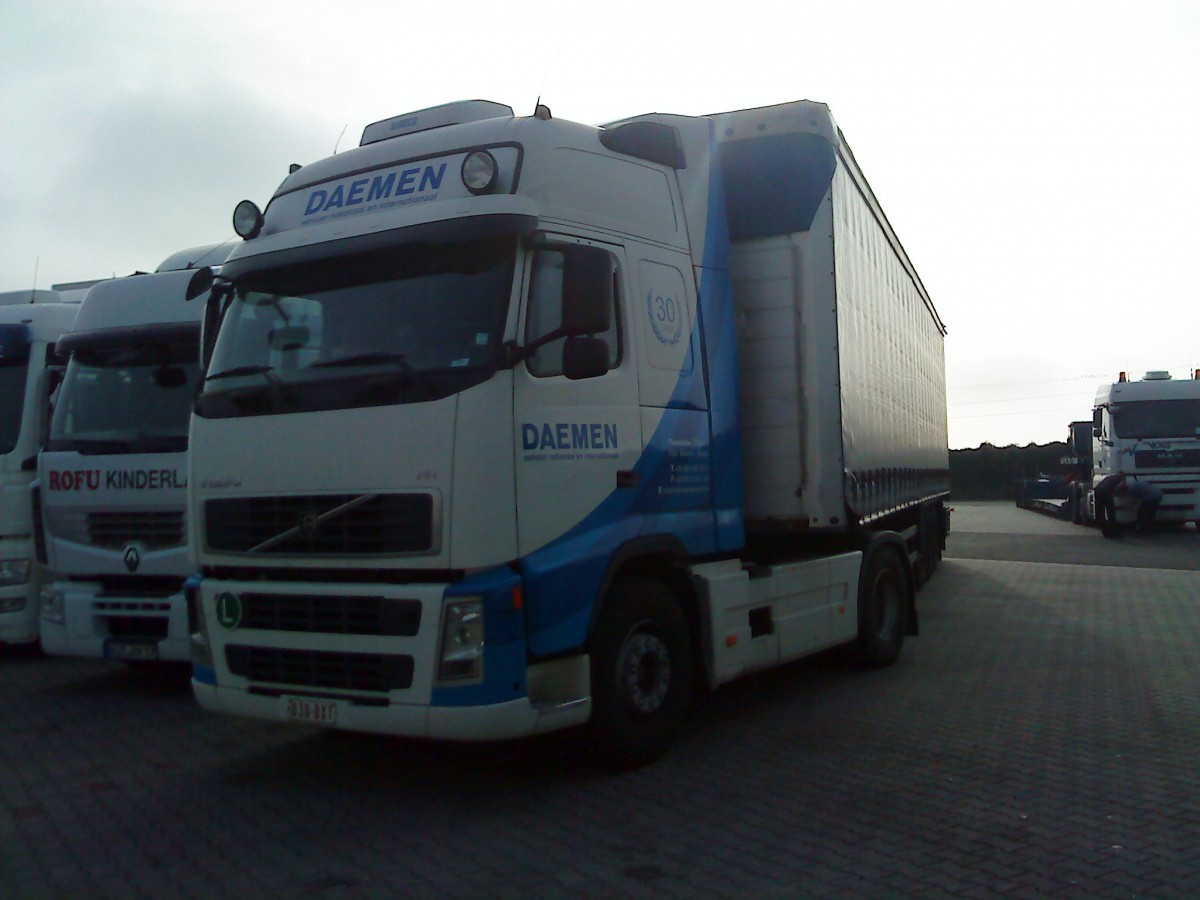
(265, 371)
(365, 359)
(90, 446)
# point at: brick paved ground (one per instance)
(1041, 738)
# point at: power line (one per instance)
(1013, 399)
(1099, 378)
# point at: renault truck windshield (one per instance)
(407, 324)
(126, 399)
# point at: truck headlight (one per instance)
(462, 640)
(13, 571)
(52, 606)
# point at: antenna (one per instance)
(541, 111)
(37, 261)
(340, 136)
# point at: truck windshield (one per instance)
(408, 324)
(126, 400)
(12, 404)
(1158, 419)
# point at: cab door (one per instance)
(575, 436)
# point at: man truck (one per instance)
(112, 478)
(30, 324)
(1149, 430)
(510, 424)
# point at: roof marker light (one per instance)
(479, 171)
(247, 220)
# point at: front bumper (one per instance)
(366, 657)
(126, 627)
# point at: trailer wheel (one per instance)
(641, 666)
(882, 608)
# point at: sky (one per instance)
(1038, 160)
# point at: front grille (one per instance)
(340, 525)
(325, 614)
(1167, 459)
(314, 668)
(153, 530)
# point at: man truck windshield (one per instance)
(1158, 419)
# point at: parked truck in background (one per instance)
(1149, 430)
(30, 323)
(112, 478)
(510, 424)
(1062, 490)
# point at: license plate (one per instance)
(314, 712)
(133, 651)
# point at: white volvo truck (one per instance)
(511, 424)
(1149, 430)
(112, 478)
(30, 323)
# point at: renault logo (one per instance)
(132, 557)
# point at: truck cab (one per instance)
(30, 324)
(1149, 430)
(112, 477)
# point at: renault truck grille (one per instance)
(314, 668)
(346, 524)
(154, 530)
(325, 614)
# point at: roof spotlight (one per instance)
(479, 172)
(247, 220)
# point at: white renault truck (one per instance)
(30, 324)
(510, 424)
(1149, 430)
(112, 478)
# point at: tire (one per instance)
(882, 608)
(641, 667)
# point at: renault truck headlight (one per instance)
(52, 605)
(462, 640)
(13, 571)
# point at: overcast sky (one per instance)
(1040, 161)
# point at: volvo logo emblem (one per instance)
(132, 557)
(229, 609)
(308, 523)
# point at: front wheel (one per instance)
(883, 600)
(641, 667)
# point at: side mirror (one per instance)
(584, 357)
(201, 283)
(587, 291)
